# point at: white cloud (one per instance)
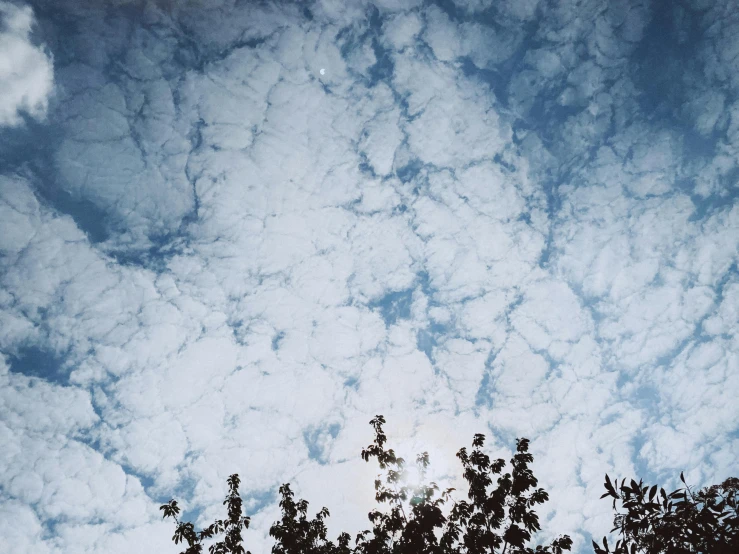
(67, 479)
(402, 29)
(20, 527)
(456, 123)
(441, 35)
(382, 135)
(549, 317)
(26, 70)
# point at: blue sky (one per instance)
(233, 232)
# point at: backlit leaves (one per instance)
(677, 523)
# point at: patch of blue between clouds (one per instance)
(409, 171)
(384, 67)
(350, 40)
(429, 338)
(484, 395)
(664, 57)
(184, 491)
(277, 339)
(253, 501)
(28, 150)
(723, 201)
(316, 436)
(256, 501)
(154, 257)
(394, 305)
(40, 362)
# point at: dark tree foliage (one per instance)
(299, 535)
(677, 523)
(232, 526)
(497, 518)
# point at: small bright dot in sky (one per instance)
(323, 71)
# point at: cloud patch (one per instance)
(26, 69)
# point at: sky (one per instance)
(232, 232)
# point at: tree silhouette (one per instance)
(495, 520)
(677, 523)
(232, 526)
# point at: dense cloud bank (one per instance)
(232, 232)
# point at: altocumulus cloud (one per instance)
(26, 72)
(511, 217)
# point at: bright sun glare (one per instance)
(441, 469)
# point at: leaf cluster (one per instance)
(677, 523)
